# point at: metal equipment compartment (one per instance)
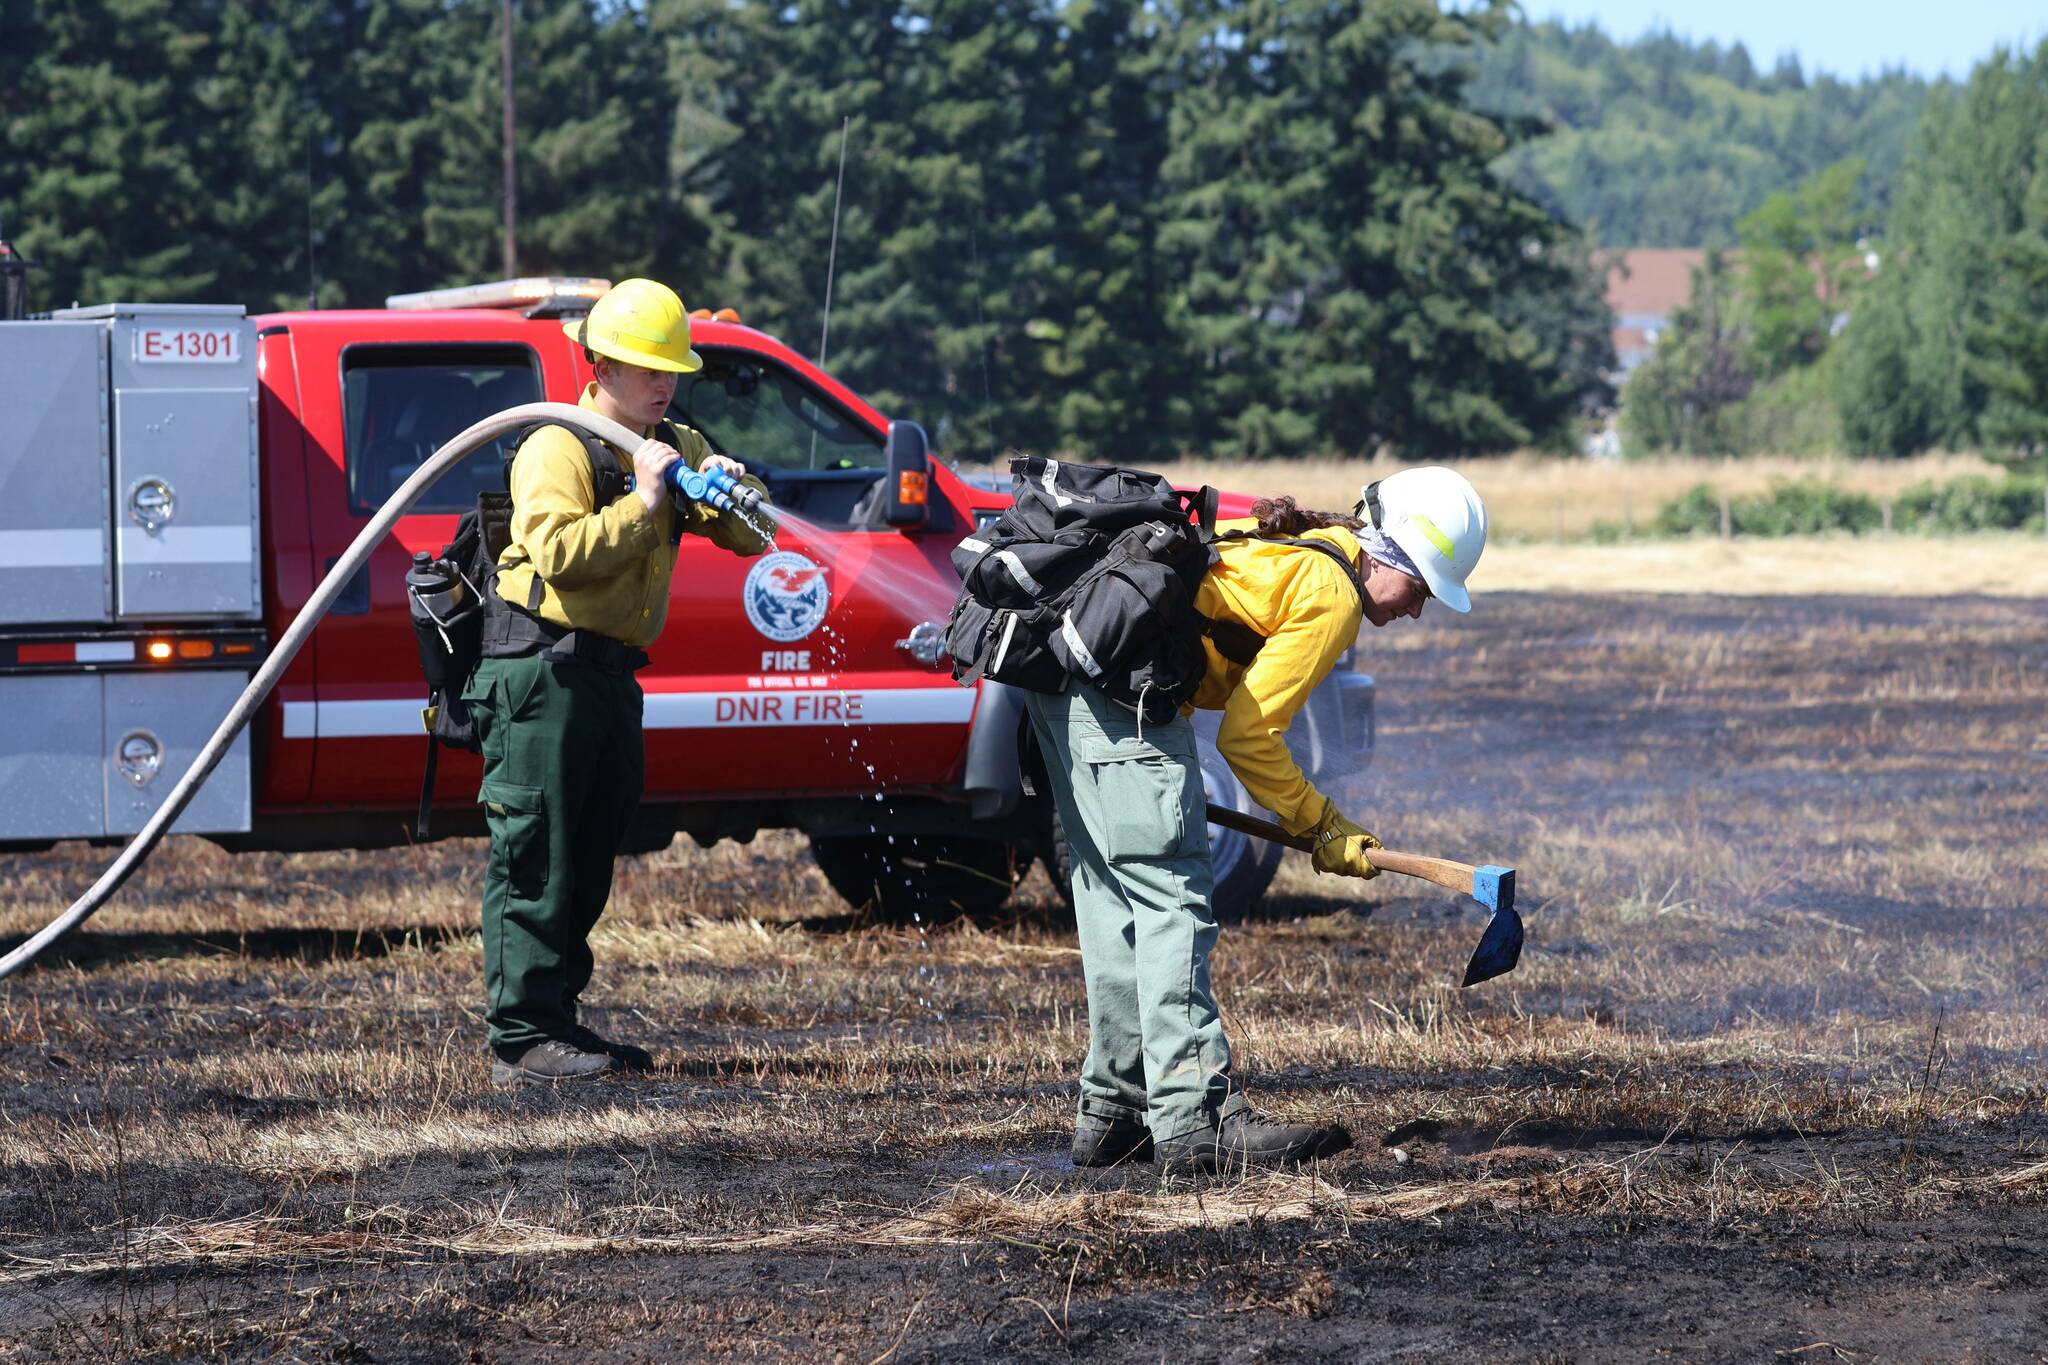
(156, 724)
(51, 784)
(106, 748)
(54, 494)
(185, 498)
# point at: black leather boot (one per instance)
(1110, 1142)
(629, 1057)
(1243, 1140)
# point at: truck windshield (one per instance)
(756, 411)
(402, 403)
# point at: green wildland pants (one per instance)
(1138, 843)
(563, 770)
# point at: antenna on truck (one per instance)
(831, 264)
(832, 258)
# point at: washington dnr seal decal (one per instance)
(786, 596)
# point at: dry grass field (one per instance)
(1996, 564)
(1542, 509)
(1544, 498)
(1768, 1083)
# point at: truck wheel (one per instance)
(1243, 866)
(931, 877)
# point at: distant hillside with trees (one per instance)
(1665, 142)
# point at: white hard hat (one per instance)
(1435, 516)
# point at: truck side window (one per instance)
(754, 410)
(402, 403)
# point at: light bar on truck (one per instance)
(537, 295)
(152, 650)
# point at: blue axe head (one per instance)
(1500, 947)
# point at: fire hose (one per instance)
(505, 423)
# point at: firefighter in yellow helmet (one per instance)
(580, 590)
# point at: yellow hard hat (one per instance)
(640, 322)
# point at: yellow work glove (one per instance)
(1340, 846)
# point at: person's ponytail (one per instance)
(1283, 517)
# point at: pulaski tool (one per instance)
(1500, 946)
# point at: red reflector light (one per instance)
(46, 654)
(159, 649)
(195, 649)
(912, 487)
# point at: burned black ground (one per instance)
(1768, 1081)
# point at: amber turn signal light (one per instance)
(913, 487)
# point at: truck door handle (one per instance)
(153, 503)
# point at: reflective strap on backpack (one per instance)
(1078, 647)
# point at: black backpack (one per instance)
(1092, 574)
(451, 644)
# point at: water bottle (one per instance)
(446, 621)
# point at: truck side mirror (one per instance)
(907, 492)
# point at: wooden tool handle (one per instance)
(1442, 871)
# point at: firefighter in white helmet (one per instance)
(1157, 1079)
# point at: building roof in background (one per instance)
(1650, 281)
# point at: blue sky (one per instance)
(1845, 37)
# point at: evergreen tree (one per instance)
(1355, 274)
(414, 220)
(1096, 336)
(1882, 412)
(1106, 226)
(2007, 352)
(713, 56)
(113, 193)
(1960, 199)
(17, 68)
(273, 121)
(1242, 243)
(823, 70)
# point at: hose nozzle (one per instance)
(721, 491)
(713, 487)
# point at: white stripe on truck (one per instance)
(53, 549)
(673, 711)
(188, 545)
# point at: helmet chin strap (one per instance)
(1368, 506)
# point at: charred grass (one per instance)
(1767, 1080)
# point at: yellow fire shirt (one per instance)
(1307, 609)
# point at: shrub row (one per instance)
(1970, 503)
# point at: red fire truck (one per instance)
(179, 477)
